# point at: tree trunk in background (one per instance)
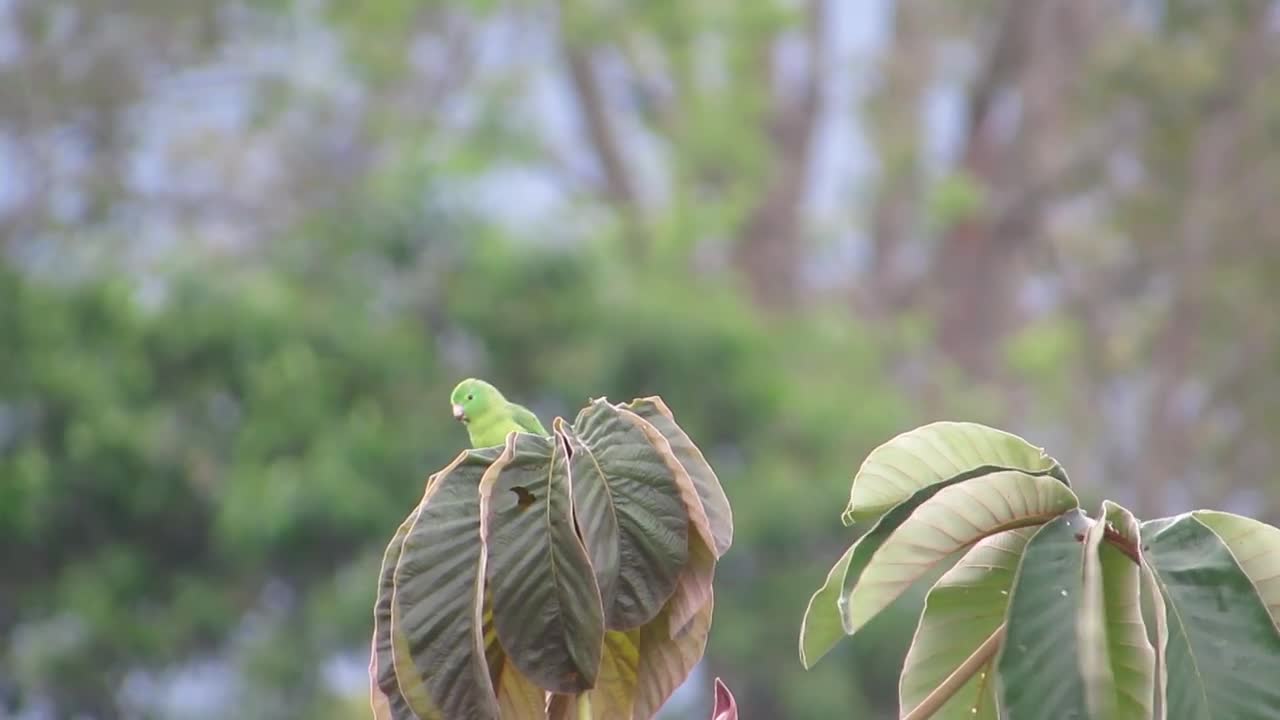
(770, 247)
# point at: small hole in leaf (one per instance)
(524, 498)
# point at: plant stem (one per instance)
(584, 706)
(956, 680)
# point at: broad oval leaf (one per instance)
(612, 451)
(1223, 654)
(962, 612)
(693, 584)
(1116, 656)
(1038, 671)
(1256, 547)
(933, 453)
(823, 624)
(546, 605)
(957, 516)
(436, 604)
(710, 492)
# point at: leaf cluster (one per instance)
(553, 574)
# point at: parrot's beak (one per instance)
(458, 414)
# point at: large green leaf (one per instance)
(546, 605)
(1038, 671)
(710, 492)
(1223, 651)
(1116, 657)
(610, 449)
(957, 516)
(962, 613)
(596, 515)
(1256, 547)
(436, 602)
(934, 453)
(693, 584)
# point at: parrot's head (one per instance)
(473, 398)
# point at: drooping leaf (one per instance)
(615, 690)
(666, 661)
(379, 701)
(436, 604)
(385, 696)
(596, 516)
(1116, 657)
(934, 453)
(714, 501)
(1223, 654)
(1038, 672)
(612, 450)
(1152, 593)
(1256, 547)
(640, 669)
(693, 584)
(957, 516)
(962, 612)
(546, 604)
(823, 624)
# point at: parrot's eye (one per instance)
(471, 397)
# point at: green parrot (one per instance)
(488, 415)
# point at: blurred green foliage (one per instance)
(238, 448)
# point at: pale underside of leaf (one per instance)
(1092, 630)
(954, 518)
(933, 453)
(1038, 671)
(640, 669)
(547, 607)
(1223, 652)
(1159, 614)
(822, 626)
(962, 611)
(1113, 599)
(615, 690)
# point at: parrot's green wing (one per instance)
(527, 420)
